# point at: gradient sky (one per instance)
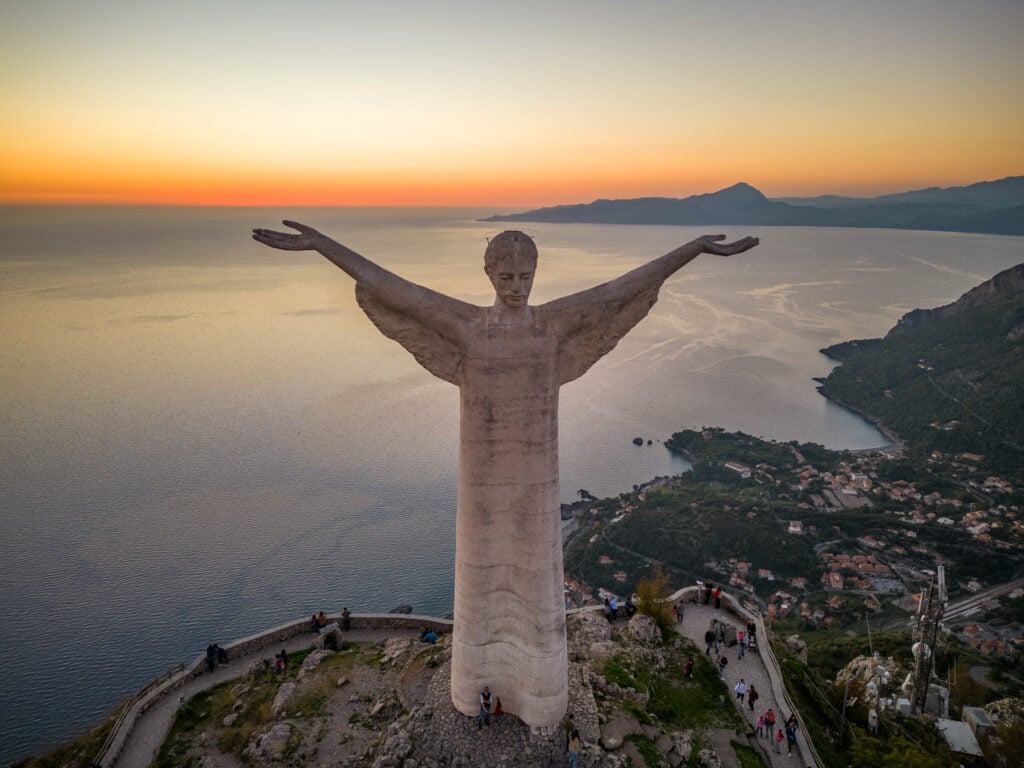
(526, 103)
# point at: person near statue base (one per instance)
(509, 361)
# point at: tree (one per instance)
(653, 595)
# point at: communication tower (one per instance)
(926, 630)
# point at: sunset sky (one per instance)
(513, 104)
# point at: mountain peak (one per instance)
(741, 192)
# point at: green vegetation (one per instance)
(748, 756)
(948, 382)
(653, 593)
(207, 709)
(676, 702)
(648, 750)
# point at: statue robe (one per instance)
(509, 628)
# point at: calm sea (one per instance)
(203, 437)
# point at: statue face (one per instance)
(512, 278)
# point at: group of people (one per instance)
(281, 663)
(490, 706)
(215, 655)
(746, 691)
(611, 608)
(319, 620)
(766, 727)
(709, 592)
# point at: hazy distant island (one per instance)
(988, 207)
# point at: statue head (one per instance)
(510, 261)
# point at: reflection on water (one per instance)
(203, 437)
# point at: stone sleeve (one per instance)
(438, 354)
(588, 328)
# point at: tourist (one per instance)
(769, 723)
(709, 640)
(498, 711)
(751, 628)
(679, 612)
(707, 593)
(777, 746)
(321, 620)
(222, 654)
(688, 668)
(278, 665)
(428, 636)
(760, 726)
(568, 726)
(574, 747)
(608, 610)
(741, 689)
(718, 598)
(741, 643)
(346, 620)
(614, 606)
(484, 717)
(314, 625)
(790, 735)
(284, 659)
(723, 661)
(752, 696)
(630, 607)
(211, 657)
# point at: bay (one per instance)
(203, 437)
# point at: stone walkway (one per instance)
(154, 724)
(696, 619)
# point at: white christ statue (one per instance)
(508, 361)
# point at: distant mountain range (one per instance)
(991, 207)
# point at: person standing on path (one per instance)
(741, 644)
(723, 661)
(777, 746)
(574, 747)
(769, 723)
(741, 690)
(752, 696)
(790, 736)
(484, 718)
(709, 640)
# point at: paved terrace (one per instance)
(756, 668)
(147, 720)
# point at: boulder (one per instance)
(311, 662)
(270, 745)
(708, 758)
(643, 630)
(615, 731)
(284, 695)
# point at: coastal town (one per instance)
(872, 531)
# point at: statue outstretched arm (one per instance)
(442, 314)
(621, 291)
(591, 322)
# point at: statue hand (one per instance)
(306, 240)
(710, 244)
